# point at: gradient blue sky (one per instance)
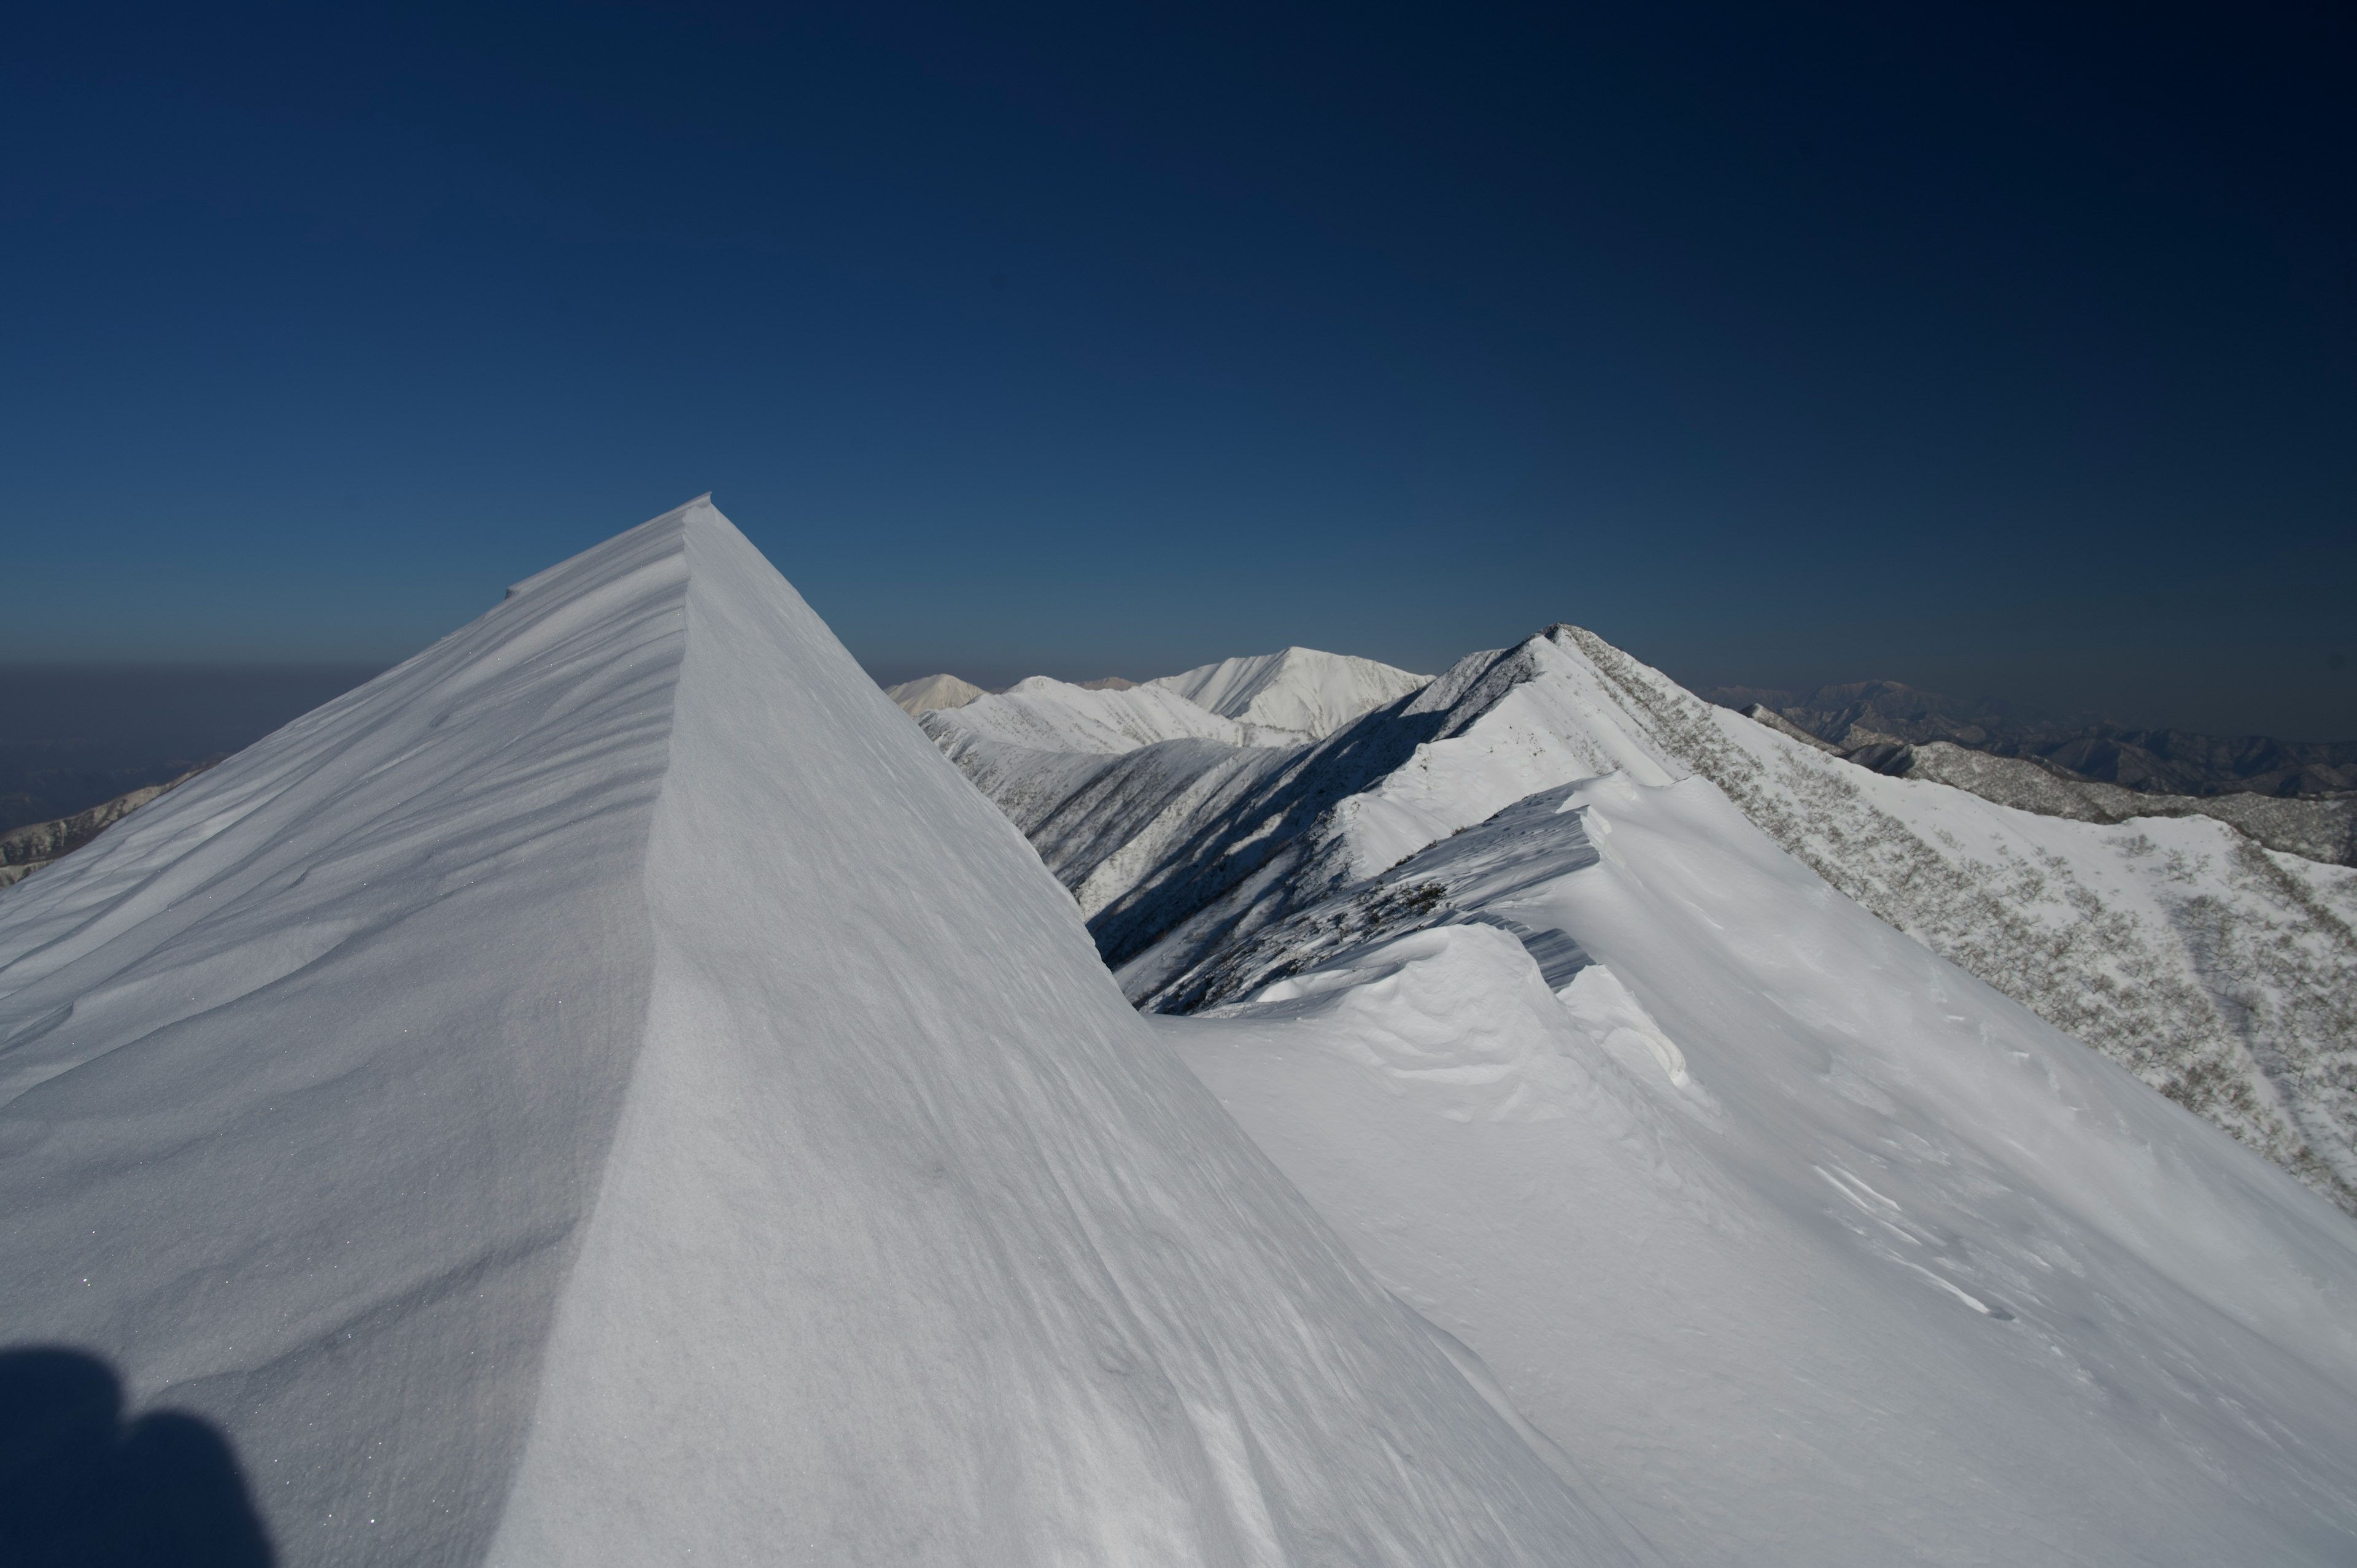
(2006, 351)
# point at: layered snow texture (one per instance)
(607, 1091)
(929, 692)
(1301, 690)
(2222, 973)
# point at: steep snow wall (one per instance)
(607, 1091)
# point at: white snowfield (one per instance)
(1301, 690)
(607, 1091)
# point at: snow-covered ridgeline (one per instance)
(606, 1091)
(1806, 1250)
(2222, 973)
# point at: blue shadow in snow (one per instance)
(80, 1486)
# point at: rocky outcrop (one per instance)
(24, 851)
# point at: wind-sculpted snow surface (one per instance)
(606, 1091)
(1300, 691)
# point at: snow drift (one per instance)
(607, 1091)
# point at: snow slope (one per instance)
(922, 696)
(605, 1091)
(1802, 1245)
(1301, 690)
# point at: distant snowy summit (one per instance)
(931, 691)
(1285, 699)
(1301, 690)
(1047, 714)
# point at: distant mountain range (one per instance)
(1864, 714)
(73, 737)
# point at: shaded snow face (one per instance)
(608, 1091)
(1805, 1246)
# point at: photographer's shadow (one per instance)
(80, 1486)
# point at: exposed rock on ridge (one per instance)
(24, 851)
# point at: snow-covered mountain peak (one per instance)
(929, 692)
(607, 1091)
(1301, 690)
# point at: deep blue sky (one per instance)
(2007, 352)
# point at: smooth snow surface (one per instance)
(931, 691)
(1300, 691)
(607, 1091)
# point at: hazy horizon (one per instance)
(76, 732)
